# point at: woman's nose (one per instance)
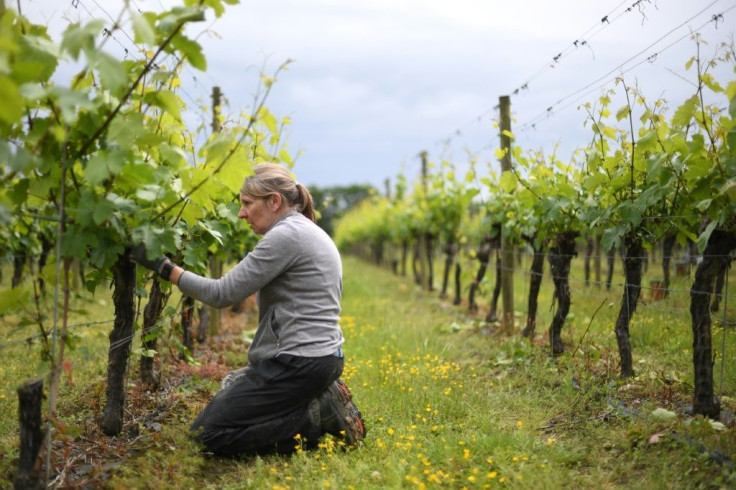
(242, 213)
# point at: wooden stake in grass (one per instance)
(30, 396)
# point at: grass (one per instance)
(448, 401)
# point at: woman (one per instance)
(291, 384)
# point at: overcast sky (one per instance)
(375, 82)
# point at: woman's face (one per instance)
(257, 212)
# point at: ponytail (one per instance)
(306, 201)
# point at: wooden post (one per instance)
(507, 250)
(30, 396)
(187, 310)
(215, 314)
(424, 258)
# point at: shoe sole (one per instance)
(356, 429)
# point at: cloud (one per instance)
(375, 82)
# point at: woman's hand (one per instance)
(159, 265)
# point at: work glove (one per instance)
(161, 266)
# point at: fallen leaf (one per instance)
(654, 438)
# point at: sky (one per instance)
(374, 83)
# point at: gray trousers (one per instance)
(263, 409)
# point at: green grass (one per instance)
(448, 401)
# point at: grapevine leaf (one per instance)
(165, 100)
(106, 253)
(704, 204)
(11, 299)
(79, 38)
(684, 114)
(731, 94)
(269, 120)
(648, 141)
(126, 130)
(611, 237)
(12, 107)
(19, 192)
(149, 193)
(142, 28)
(729, 188)
(285, 157)
(191, 50)
(731, 136)
(96, 171)
(216, 6)
(507, 181)
(711, 82)
(233, 174)
(217, 148)
(112, 73)
(71, 102)
(705, 236)
(211, 231)
(623, 112)
(157, 240)
(102, 211)
(36, 59)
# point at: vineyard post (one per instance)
(30, 396)
(424, 258)
(215, 262)
(507, 251)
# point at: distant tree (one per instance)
(333, 202)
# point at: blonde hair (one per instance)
(270, 179)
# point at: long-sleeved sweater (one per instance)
(297, 273)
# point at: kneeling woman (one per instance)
(291, 385)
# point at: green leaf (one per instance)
(11, 109)
(79, 38)
(218, 148)
(508, 181)
(684, 114)
(729, 188)
(731, 136)
(623, 112)
(12, 299)
(269, 120)
(705, 236)
(102, 165)
(143, 28)
(648, 141)
(167, 101)
(711, 82)
(126, 130)
(593, 181)
(704, 204)
(103, 210)
(36, 60)
(158, 240)
(19, 192)
(612, 237)
(149, 193)
(190, 50)
(113, 75)
(609, 132)
(71, 102)
(96, 171)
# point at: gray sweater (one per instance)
(297, 273)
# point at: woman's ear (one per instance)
(276, 200)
